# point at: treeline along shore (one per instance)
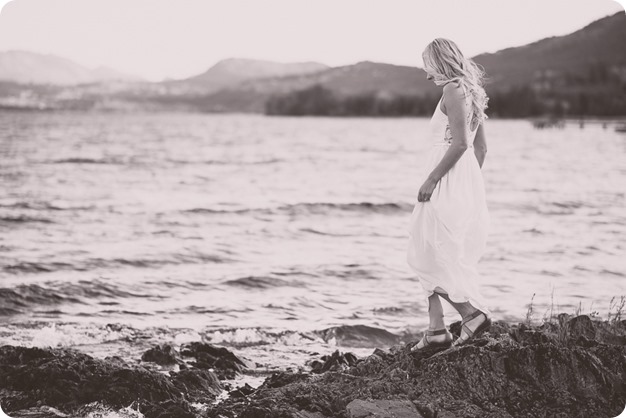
(571, 366)
(577, 97)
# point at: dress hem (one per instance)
(472, 301)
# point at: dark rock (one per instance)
(380, 408)
(525, 335)
(581, 326)
(38, 412)
(499, 328)
(426, 409)
(359, 336)
(336, 361)
(381, 353)
(455, 329)
(169, 409)
(225, 363)
(197, 384)
(611, 332)
(279, 379)
(115, 327)
(163, 355)
(67, 379)
(116, 360)
(371, 365)
(241, 391)
(307, 414)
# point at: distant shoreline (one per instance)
(566, 119)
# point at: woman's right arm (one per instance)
(480, 145)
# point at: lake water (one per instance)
(258, 233)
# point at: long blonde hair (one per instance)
(443, 58)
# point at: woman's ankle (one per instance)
(436, 322)
(437, 327)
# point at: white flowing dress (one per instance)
(447, 235)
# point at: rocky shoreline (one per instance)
(574, 366)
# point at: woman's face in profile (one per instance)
(429, 74)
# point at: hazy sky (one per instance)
(179, 38)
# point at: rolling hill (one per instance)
(24, 67)
(234, 71)
(602, 41)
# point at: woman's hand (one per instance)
(426, 191)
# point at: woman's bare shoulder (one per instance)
(454, 91)
(453, 84)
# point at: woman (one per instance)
(448, 226)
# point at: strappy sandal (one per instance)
(433, 344)
(482, 327)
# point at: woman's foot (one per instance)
(472, 326)
(433, 338)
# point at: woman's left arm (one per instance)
(454, 100)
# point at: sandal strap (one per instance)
(473, 315)
(436, 332)
(425, 341)
(468, 331)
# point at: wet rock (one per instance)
(381, 353)
(371, 365)
(359, 336)
(241, 391)
(162, 354)
(279, 379)
(196, 384)
(208, 356)
(38, 412)
(66, 379)
(336, 361)
(382, 409)
(115, 327)
(116, 360)
(169, 409)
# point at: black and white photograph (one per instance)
(312, 209)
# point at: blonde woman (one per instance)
(448, 226)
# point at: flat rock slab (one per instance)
(380, 408)
(307, 414)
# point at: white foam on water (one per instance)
(98, 410)
(255, 336)
(64, 335)
(187, 337)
